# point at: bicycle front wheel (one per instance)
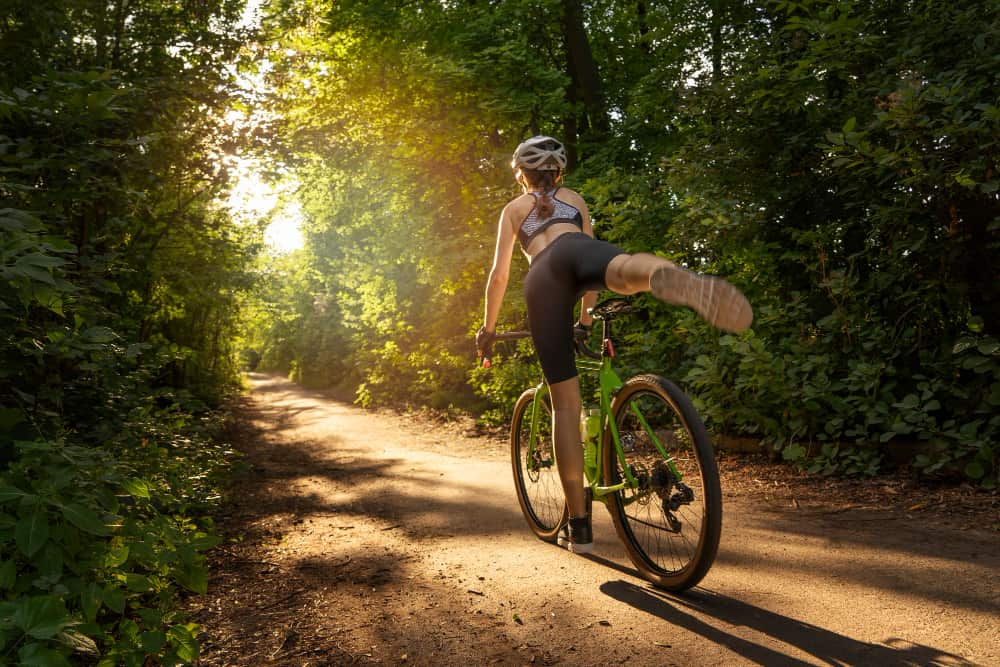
(670, 516)
(535, 475)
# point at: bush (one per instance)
(97, 547)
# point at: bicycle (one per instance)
(652, 465)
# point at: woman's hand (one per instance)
(484, 341)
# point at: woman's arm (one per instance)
(589, 299)
(496, 285)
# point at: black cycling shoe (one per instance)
(577, 535)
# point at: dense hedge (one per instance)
(120, 276)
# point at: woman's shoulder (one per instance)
(521, 201)
(521, 204)
(571, 197)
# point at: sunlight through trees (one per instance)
(835, 160)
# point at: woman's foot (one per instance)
(715, 300)
(577, 535)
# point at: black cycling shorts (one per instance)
(559, 275)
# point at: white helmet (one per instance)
(539, 153)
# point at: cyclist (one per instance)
(567, 263)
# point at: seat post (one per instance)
(605, 335)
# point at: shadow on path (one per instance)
(827, 646)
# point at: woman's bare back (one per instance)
(518, 210)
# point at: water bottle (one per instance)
(590, 428)
(593, 424)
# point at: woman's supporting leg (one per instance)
(566, 405)
(714, 299)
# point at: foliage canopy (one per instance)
(836, 159)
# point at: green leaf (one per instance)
(8, 493)
(204, 541)
(33, 272)
(975, 470)
(963, 344)
(79, 642)
(194, 578)
(42, 616)
(37, 446)
(58, 244)
(849, 125)
(90, 600)
(84, 519)
(32, 532)
(183, 639)
(900, 428)
(152, 641)
(49, 297)
(138, 583)
(99, 335)
(8, 574)
(12, 219)
(136, 487)
(793, 452)
(116, 556)
(38, 655)
(114, 598)
(40, 260)
(989, 347)
(9, 418)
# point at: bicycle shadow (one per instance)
(825, 645)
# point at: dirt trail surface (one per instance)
(373, 538)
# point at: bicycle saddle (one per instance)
(610, 309)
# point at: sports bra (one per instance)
(533, 225)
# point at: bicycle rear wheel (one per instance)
(535, 475)
(670, 524)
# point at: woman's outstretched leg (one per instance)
(714, 299)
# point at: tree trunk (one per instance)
(640, 12)
(581, 64)
(121, 8)
(101, 36)
(716, 34)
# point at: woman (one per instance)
(567, 263)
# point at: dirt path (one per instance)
(360, 538)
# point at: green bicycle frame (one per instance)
(609, 383)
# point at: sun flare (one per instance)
(253, 198)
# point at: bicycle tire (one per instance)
(670, 538)
(539, 490)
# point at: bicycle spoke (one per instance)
(535, 475)
(670, 518)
